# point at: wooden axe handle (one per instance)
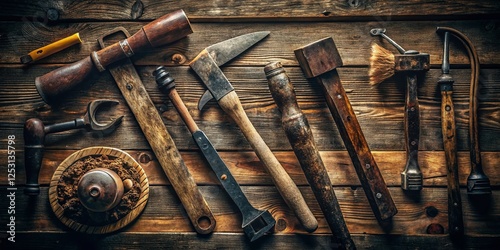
(231, 104)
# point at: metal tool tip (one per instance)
(26, 59)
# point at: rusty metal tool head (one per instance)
(320, 60)
(90, 119)
(206, 64)
(34, 137)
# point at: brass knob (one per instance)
(100, 189)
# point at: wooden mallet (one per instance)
(319, 60)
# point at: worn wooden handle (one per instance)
(411, 177)
(166, 29)
(230, 103)
(368, 172)
(34, 137)
(301, 139)
(163, 146)
(455, 220)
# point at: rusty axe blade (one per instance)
(216, 55)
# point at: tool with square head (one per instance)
(135, 94)
(455, 220)
(319, 60)
(35, 132)
(477, 181)
(206, 65)
(301, 139)
(255, 222)
(383, 64)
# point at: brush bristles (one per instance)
(381, 64)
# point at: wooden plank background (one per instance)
(25, 25)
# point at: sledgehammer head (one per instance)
(318, 57)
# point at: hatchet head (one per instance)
(206, 64)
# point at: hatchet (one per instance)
(206, 65)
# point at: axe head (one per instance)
(206, 64)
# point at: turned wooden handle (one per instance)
(163, 146)
(368, 172)
(166, 29)
(301, 139)
(34, 137)
(455, 220)
(230, 103)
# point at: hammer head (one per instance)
(318, 57)
(411, 60)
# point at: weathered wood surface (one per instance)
(253, 9)
(129, 240)
(248, 170)
(25, 26)
(353, 40)
(382, 122)
(164, 212)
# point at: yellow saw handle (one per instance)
(53, 48)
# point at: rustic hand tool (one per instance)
(255, 222)
(35, 132)
(128, 81)
(384, 64)
(164, 30)
(52, 48)
(206, 65)
(320, 60)
(301, 138)
(477, 182)
(455, 220)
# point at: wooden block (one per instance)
(318, 57)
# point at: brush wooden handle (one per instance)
(301, 139)
(230, 103)
(368, 172)
(411, 178)
(455, 220)
(166, 29)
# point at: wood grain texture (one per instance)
(253, 9)
(382, 122)
(27, 25)
(164, 212)
(162, 144)
(248, 170)
(352, 39)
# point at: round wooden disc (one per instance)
(96, 151)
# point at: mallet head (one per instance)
(318, 57)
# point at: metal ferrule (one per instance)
(127, 50)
